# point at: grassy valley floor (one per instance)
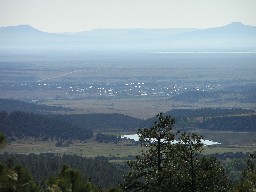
(126, 149)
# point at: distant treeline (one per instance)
(10, 105)
(42, 166)
(231, 123)
(20, 124)
(207, 112)
(104, 138)
(188, 118)
(195, 96)
(81, 126)
(102, 121)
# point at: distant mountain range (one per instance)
(233, 37)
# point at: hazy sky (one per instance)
(81, 15)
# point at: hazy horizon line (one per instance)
(127, 28)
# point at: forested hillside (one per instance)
(11, 105)
(232, 123)
(17, 124)
(214, 119)
(42, 166)
(102, 121)
(20, 124)
(161, 164)
(81, 126)
(207, 112)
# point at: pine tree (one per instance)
(146, 171)
(248, 179)
(173, 165)
(2, 140)
(70, 180)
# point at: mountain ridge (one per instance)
(25, 26)
(234, 36)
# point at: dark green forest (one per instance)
(42, 166)
(162, 166)
(232, 123)
(10, 105)
(21, 124)
(102, 122)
